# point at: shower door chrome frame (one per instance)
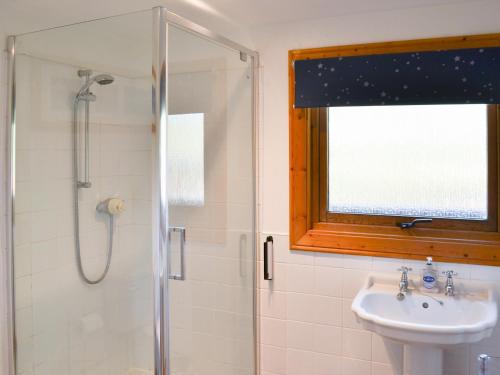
(160, 22)
(160, 194)
(10, 202)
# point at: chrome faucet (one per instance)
(449, 288)
(403, 283)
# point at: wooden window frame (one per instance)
(312, 228)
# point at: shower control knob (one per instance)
(115, 206)
(111, 206)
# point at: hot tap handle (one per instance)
(405, 269)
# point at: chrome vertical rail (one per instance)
(87, 141)
(10, 198)
(160, 198)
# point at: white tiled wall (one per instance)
(62, 324)
(307, 326)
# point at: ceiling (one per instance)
(254, 13)
(233, 18)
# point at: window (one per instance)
(186, 160)
(358, 172)
(386, 163)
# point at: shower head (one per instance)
(102, 79)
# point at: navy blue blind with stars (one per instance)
(459, 76)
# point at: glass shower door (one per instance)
(211, 207)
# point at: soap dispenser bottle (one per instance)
(429, 276)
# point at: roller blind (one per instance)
(459, 76)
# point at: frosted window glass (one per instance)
(186, 160)
(425, 161)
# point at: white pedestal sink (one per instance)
(426, 322)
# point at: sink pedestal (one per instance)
(423, 360)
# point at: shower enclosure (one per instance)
(131, 231)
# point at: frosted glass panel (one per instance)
(185, 152)
(425, 161)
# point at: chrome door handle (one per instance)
(182, 274)
(268, 258)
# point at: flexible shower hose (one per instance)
(76, 210)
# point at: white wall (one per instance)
(273, 43)
(306, 324)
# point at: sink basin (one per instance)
(426, 322)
